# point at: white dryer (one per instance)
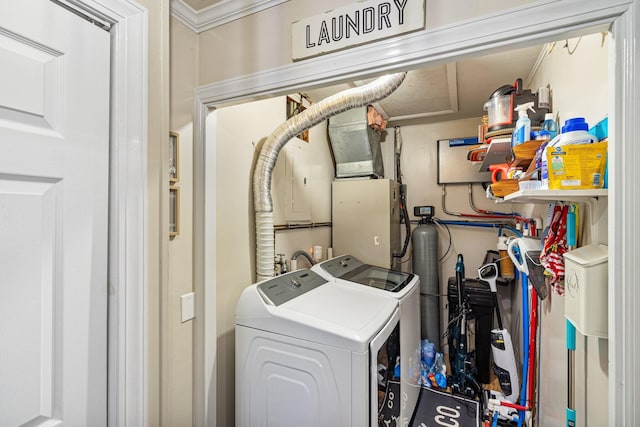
(348, 271)
(308, 353)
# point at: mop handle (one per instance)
(533, 326)
(525, 344)
(492, 286)
(460, 278)
(497, 309)
(571, 348)
(572, 240)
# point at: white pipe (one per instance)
(316, 113)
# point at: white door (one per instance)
(54, 153)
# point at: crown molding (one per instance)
(219, 13)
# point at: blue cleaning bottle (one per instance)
(550, 125)
(522, 133)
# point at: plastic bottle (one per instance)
(428, 353)
(574, 131)
(506, 265)
(606, 173)
(550, 125)
(522, 132)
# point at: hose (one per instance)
(495, 419)
(403, 195)
(304, 254)
(262, 175)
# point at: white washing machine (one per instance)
(311, 353)
(348, 271)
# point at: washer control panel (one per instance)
(291, 285)
(339, 266)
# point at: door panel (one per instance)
(29, 206)
(31, 81)
(54, 141)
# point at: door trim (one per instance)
(534, 23)
(127, 326)
(128, 341)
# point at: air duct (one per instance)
(262, 175)
(355, 145)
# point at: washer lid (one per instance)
(349, 268)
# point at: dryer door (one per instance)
(385, 373)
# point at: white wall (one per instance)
(178, 335)
(157, 206)
(263, 41)
(580, 88)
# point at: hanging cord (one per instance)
(403, 196)
(461, 311)
(441, 225)
(569, 50)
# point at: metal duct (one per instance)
(355, 145)
(263, 204)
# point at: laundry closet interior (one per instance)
(433, 122)
(437, 174)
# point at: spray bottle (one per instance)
(522, 133)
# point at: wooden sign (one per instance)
(356, 24)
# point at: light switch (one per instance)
(187, 306)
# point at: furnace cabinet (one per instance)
(366, 219)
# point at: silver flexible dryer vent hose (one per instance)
(263, 205)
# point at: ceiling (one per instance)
(201, 4)
(450, 91)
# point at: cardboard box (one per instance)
(577, 167)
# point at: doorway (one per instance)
(468, 39)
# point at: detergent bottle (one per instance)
(522, 133)
(574, 131)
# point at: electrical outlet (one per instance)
(187, 305)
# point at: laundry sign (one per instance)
(356, 24)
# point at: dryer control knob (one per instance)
(295, 284)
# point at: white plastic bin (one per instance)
(586, 287)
